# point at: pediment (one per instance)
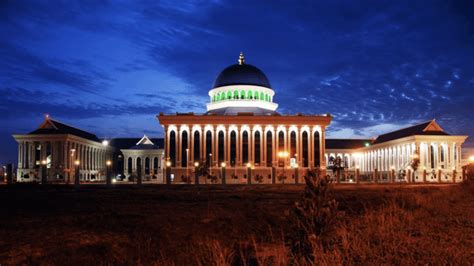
(145, 141)
(433, 126)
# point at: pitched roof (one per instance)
(50, 126)
(427, 128)
(347, 143)
(130, 143)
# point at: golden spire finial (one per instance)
(241, 58)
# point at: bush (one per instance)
(313, 218)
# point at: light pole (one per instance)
(76, 173)
(296, 173)
(210, 164)
(282, 155)
(44, 178)
(196, 174)
(168, 172)
(223, 165)
(108, 179)
(187, 165)
(249, 173)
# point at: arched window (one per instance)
(305, 149)
(129, 165)
(229, 95)
(147, 166)
(173, 148)
(197, 146)
(208, 147)
(293, 144)
(242, 94)
(233, 147)
(432, 156)
(221, 147)
(155, 166)
(139, 166)
(281, 147)
(442, 153)
(256, 95)
(222, 96)
(184, 147)
(316, 149)
(261, 96)
(269, 151)
(236, 95)
(257, 147)
(245, 147)
(249, 95)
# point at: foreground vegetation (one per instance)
(237, 225)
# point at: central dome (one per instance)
(242, 74)
(241, 88)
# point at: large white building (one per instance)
(242, 139)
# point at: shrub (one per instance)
(313, 218)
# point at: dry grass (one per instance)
(234, 225)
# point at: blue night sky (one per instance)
(111, 67)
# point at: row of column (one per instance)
(134, 164)
(239, 131)
(61, 154)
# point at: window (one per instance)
(184, 147)
(173, 148)
(221, 147)
(129, 165)
(257, 147)
(233, 148)
(269, 148)
(245, 147)
(197, 146)
(208, 147)
(305, 149)
(293, 144)
(147, 166)
(317, 158)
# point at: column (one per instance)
(322, 144)
(178, 150)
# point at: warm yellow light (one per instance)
(223, 164)
(471, 158)
(168, 164)
(105, 142)
(77, 162)
(357, 154)
(296, 165)
(43, 162)
(108, 162)
(282, 154)
(196, 164)
(249, 165)
(357, 167)
(393, 167)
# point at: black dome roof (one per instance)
(242, 74)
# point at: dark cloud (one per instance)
(374, 65)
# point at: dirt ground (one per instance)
(157, 224)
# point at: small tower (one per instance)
(241, 58)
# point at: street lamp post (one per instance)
(249, 173)
(282, 155)
(187, 165)
(44, 177)
(223, 165)
(196, 174)
(168, 172)
(210, 164)
(76, 174)
(108, 179)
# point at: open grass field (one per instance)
(218, 225)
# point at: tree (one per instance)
(337, 167)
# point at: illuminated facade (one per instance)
(241, 136)
(241, 139)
